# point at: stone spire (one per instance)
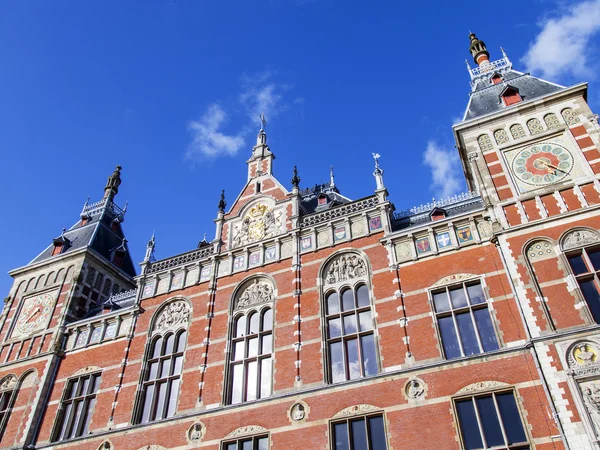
(295, 178)
(112, 185)
(261, 161)
(222, 202)
(331, 180)
(150, 249)
(478, 50)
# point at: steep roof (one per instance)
(310, 198)
(485, 96)
(102, 232)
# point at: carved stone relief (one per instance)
(482, 386)
(356, 409)
(196, 432)
(175, 314)
(345, 267)
(579, 238)
(259, 291)
(298, 412)
(152, 447)
(590, 392)
(415, 389)
(243, 431)
(88, 369)
(259, 223)
(454, 278)
(8, 382)
(404, 251)
(540, 250)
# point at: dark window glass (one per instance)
(465, 317)
(578, 265)
(449, 337)
(591, 297)
(76, 408)
(362, 433)
(594, 258)
(249, 443)
(511, 418)
(6, 398)
(468, 424)
(250, 365)
(163, 373)
(491, 421)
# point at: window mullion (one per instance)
(476, 330)
(458, 335)
(500, 420)
(479, 425)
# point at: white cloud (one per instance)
(445, 170)
(208, 139)
(564, 45)
(262, 95)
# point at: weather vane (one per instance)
(376, 156)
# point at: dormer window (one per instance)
(118, 254)
(496, 78)
(61, 244)
(84, 220)
(322, 200)
(437, 214)
(510, 96)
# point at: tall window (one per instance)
(251, 357)
(248, 443)
(585, 264)
(163, 376)
(350, 338)
(77, 405)
(359, 433)
(491, 421)
(464, 320)
(7, 397)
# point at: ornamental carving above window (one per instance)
(501, 136)
(260, 222)
(257, 292)
(344, 268)
(579, 238)
(175, 314)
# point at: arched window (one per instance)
(534, 126)
(161, 376)
(551, 121)
(582, 249)
(485, 143)
(349, 325)
(251, 343)
(500, 136)
(569, 116)
(517, 131)
(251, 358)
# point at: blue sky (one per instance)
(171, 90)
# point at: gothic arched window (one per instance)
(569, 116)
(500, 136)
(349, 324)
(551, 121)
(485, 143)
(251, 343)
(161, 376)
(517, 131)
(534, 126)
(582, 249)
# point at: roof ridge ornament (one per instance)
(295, 178)
(378, 173)
(222, 202)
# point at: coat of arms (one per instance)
(259, 223)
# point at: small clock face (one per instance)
(34, 314)
(542, 164)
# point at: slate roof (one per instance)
(310, 198)
(99, 235)
(485, 97)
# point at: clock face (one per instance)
(542, 164)
(34, 314)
